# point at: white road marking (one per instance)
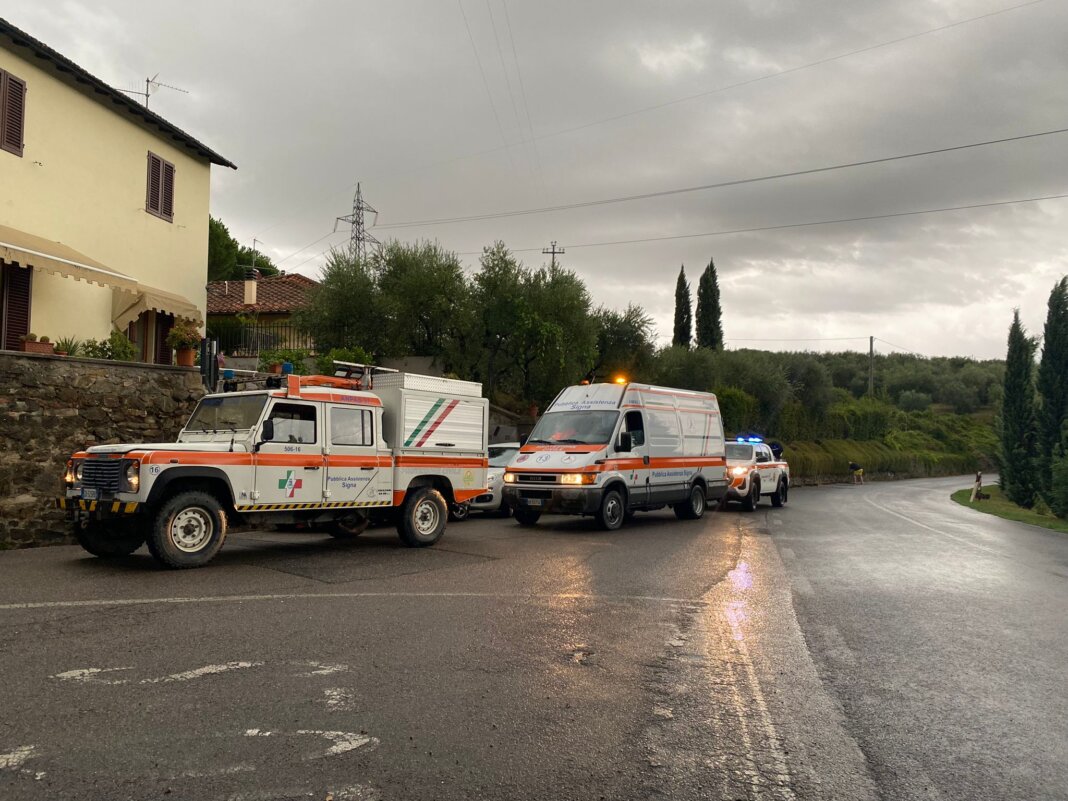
(358, 792)
(14, 760)
(227, 771)
(91, 675)
(516, 597)
(914, 522)
(339, 699)
(207, 670)
(320, 669)
(343, 741)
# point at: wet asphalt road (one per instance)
(863, 642)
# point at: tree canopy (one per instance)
(228, 260)
(683, 329)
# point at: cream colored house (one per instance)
(103, 207)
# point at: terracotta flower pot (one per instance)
(185, 357)
(276, 368)
(38, 347)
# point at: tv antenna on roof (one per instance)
(151, 85)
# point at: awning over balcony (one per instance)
(126, 307)
(27, 250)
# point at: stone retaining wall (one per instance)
(52, 406)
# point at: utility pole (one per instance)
(871, 365)
(359, 238)
(553, 252)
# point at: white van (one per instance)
(610, 449)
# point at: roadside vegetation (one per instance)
(1001, 506)
(525, 332)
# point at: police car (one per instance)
(756, 470)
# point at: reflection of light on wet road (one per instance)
(736, 616)
(741, 578)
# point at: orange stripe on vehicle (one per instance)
(398, 497)
(466, 495)
(335, 460)
(439, 461)
(198, 458)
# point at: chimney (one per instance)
(251, 276)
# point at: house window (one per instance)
(15, 286)
(159, 198)
(12, 112)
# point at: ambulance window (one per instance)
(633, 424)
(763, 454)
(351, 427)
(293, 422)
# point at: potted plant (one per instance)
(184, 338)
(31, 344)
(68, 346)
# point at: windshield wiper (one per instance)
(572, 441)
(543, 441)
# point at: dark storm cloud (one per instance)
(307, 98)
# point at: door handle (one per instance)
(311, 468)
(645, 460)
(368, 468)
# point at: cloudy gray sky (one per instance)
(309, 97)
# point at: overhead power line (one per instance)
(720, 185)
(728, 87)
(485, 81)
(813, 223)
(899, 347)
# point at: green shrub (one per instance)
(912, 401)
(117, 348)
(1058, 500)
(324, 362)
(739, 409)
(72, 346)
(295, 356)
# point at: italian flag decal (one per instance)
(438, 412)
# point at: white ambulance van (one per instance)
(610, 449)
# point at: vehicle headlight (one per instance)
(578, 478)
(738, 472)
(68, 475)
(133, 476)
(510, 478)
(78, 470)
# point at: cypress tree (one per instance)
(709, 313)
(683, 312)
(1052, 386)
(1017, 427)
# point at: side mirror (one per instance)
(626, 442)
(523, 441)
(266, 433)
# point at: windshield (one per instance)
(234, 412)
(500, 457)
(739, 451)
(574, 428)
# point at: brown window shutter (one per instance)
(155, 183)
(13, 113)
(166, 206)
(16, 305)
(164, 324)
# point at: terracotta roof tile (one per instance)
(275, 294)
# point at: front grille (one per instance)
(102, 474)
(543, 494)
(541, 478)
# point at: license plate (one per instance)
(90, 494)
(533, 501)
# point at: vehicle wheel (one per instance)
(107, 541)
(504, 510)
(778, 498)
(694, 508)
(348, 527)
(459, 512)
(613, 510)
(422, 520)
(751, 500)
(188, 530)
(526, 516)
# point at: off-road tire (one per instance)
(106, 541)
(525, 516)
(422, 518)
(750, 501)
(613, 510)
(459, 512)
(188, 530)
(505, 509)
(780, 496)
(694, 507)
(348, 527)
